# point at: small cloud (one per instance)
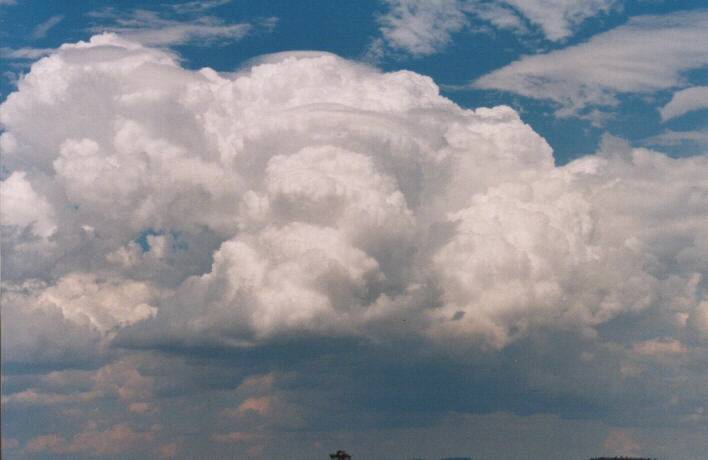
(41, 30)
(33, 398)
(684, 101)
(261, 406)
(659, 347)
(139, 407)
(198, 6)
(673, 138)
(421, 27)
(235, 436)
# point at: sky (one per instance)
(406, 229)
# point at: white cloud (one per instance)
(321, 183)
(647, 54)
(684, 101)
(41, 30)
(23, 208)
(308, 196)
(421, 27)
(103, 304)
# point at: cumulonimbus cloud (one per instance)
(311, 195)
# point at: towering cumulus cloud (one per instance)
(306, 196)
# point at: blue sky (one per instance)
(407, 229)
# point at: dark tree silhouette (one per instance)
(340, 455)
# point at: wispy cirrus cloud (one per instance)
(558, 19)
(421, 27)
(25, 53)
(197, 6)
(672, 138)
(648, 54)
(153, 28)
(41, 30)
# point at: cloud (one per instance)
(41, 30)
(671, 137)
(152, 28)
(197, 6)
(559, 18)
(648, 54)
(335, 233)
(684, 101)
(25, 53)
(313, 233)
(24, 209)
(31, 397)
(236, 436)
(111, 441)
(421, 28)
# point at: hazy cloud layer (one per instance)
(647, 54)
(310, 207)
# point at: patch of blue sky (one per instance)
(177, 244)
